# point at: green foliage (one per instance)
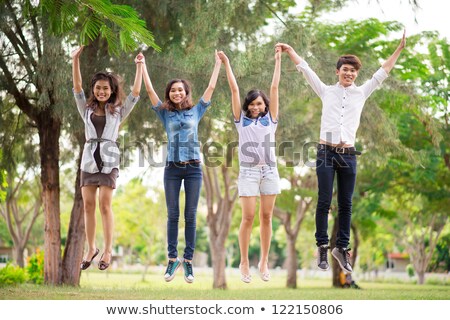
(35, 267)
(440, 261)
(410, 270)
(12, 275)
(119, 25)
(139, 222)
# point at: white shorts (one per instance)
(258, 180)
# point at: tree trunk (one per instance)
(49, 131)
(335, 268)
(18, 255)
(355, 245)
(291, 264)
(220, 207)
(420, 277)
(292, 232)
(218, 254)
(73, 251)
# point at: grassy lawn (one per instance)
(97, 285)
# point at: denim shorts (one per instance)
(258, 180)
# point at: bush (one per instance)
(410, 270)
(12, 275)
(35, 267)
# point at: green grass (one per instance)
(97, 285)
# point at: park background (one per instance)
(400, 234)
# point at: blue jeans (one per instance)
(174, 174)
(328, 164)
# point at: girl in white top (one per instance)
(258, 175)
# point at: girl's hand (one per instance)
(139, 58)
(77, 52)
(403, 41)
(277, 53)
(217, 57)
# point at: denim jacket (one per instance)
(109, 151)
(182, 131)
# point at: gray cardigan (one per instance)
(109, 150)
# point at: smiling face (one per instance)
(256, 107)
(177, 93)
(347, 74)
(102, 91)
(255, 102)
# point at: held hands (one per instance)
(222, 56)
(140, 59)
(283, 47)
(77, 52)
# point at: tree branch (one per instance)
(10, 86)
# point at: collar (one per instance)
(341, 86)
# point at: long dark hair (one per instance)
(117, 94)
(252, 95)
(185, 104)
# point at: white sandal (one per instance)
(265, 276)
(247, 278)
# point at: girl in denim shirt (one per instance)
(180, 118)
(102, 114)
(258, 174)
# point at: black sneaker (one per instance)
(171, 268)
(322, 257)
(188, 272)
(342, 256)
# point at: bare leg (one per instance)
(90, 220)
(248, 205)
(265, 217)
(105, 203)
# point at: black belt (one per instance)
(340, 150)
(194, 161)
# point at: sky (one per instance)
(432, 15)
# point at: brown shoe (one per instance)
(103, 265)
(86, 264)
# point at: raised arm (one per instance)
(76, 73)
(212, 82)
(273, 106)
(235, 99)
(139, 61)
(296, 59)
(148, 85)
(390, 62)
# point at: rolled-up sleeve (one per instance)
(201, 107)
(130, 102)
(376, 80)
(160, 112)
(80, 100)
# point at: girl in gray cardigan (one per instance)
(102, 114)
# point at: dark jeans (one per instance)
(174, 174)
(344, 165)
